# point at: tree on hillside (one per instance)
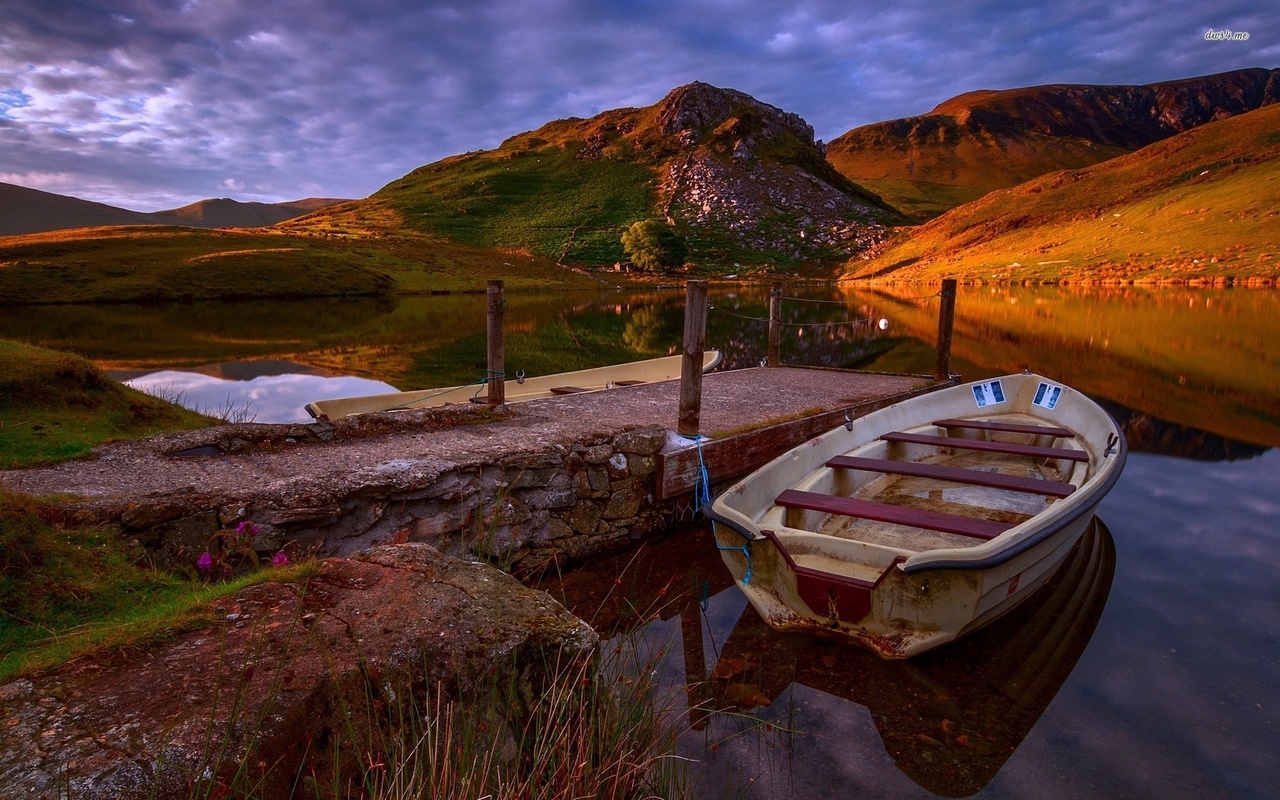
(653, 246)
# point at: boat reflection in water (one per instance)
(950, 718)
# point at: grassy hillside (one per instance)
(986, 140)
(535, 193)
(1200, 206)
(162, 263)
(528, 199)
(566, 191)
(56, 405)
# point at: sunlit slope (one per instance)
(155, 263)
(1199, 206)
(985, 140)
(1200, 358)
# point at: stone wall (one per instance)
(565, 503)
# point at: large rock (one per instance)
(289, 675)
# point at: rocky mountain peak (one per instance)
(699, 112)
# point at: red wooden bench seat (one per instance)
(887, 512)
(990, 447)
(1005, 427)
(955, 474)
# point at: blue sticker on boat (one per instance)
(1047, 395)
(988, 393)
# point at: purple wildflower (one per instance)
(280, 559)
(246, 528)
(205, 562)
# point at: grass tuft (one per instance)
(56, 405)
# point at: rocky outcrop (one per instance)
(699, 111)
(753, 175)
(286, 675)
(770, 208)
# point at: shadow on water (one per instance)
(949, 720)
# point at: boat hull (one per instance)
(596, 379)
(889, 586)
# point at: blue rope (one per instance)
(702, 488)
(480, 384)
(745, 549)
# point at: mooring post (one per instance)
(496, 344)
(946, 319)
(695, 340)
(775, 325)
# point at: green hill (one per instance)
(986, 140)
(1199, 206)
(742, 181)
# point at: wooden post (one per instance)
(775, 325)
(695, 340)
(946, 320)
(496, 344)
(695, 666)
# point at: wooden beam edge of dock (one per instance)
(744, 452)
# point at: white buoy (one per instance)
(884, 324)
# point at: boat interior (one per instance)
(952, 483)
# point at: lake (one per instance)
(1150, 671)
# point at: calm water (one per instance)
(1151, 672)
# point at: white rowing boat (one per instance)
(518, 390)
(924, 521)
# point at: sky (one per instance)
(153, 104)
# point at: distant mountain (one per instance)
(741, 180)
(227, 213)
(987, 140)
(24, 210)
(1200, 206)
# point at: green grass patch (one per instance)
(544, 201)
(67, 592)
(56, 405)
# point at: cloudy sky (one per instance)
(152, 104)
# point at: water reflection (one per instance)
(1201, 359)
(272, 397)
(948, 720)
